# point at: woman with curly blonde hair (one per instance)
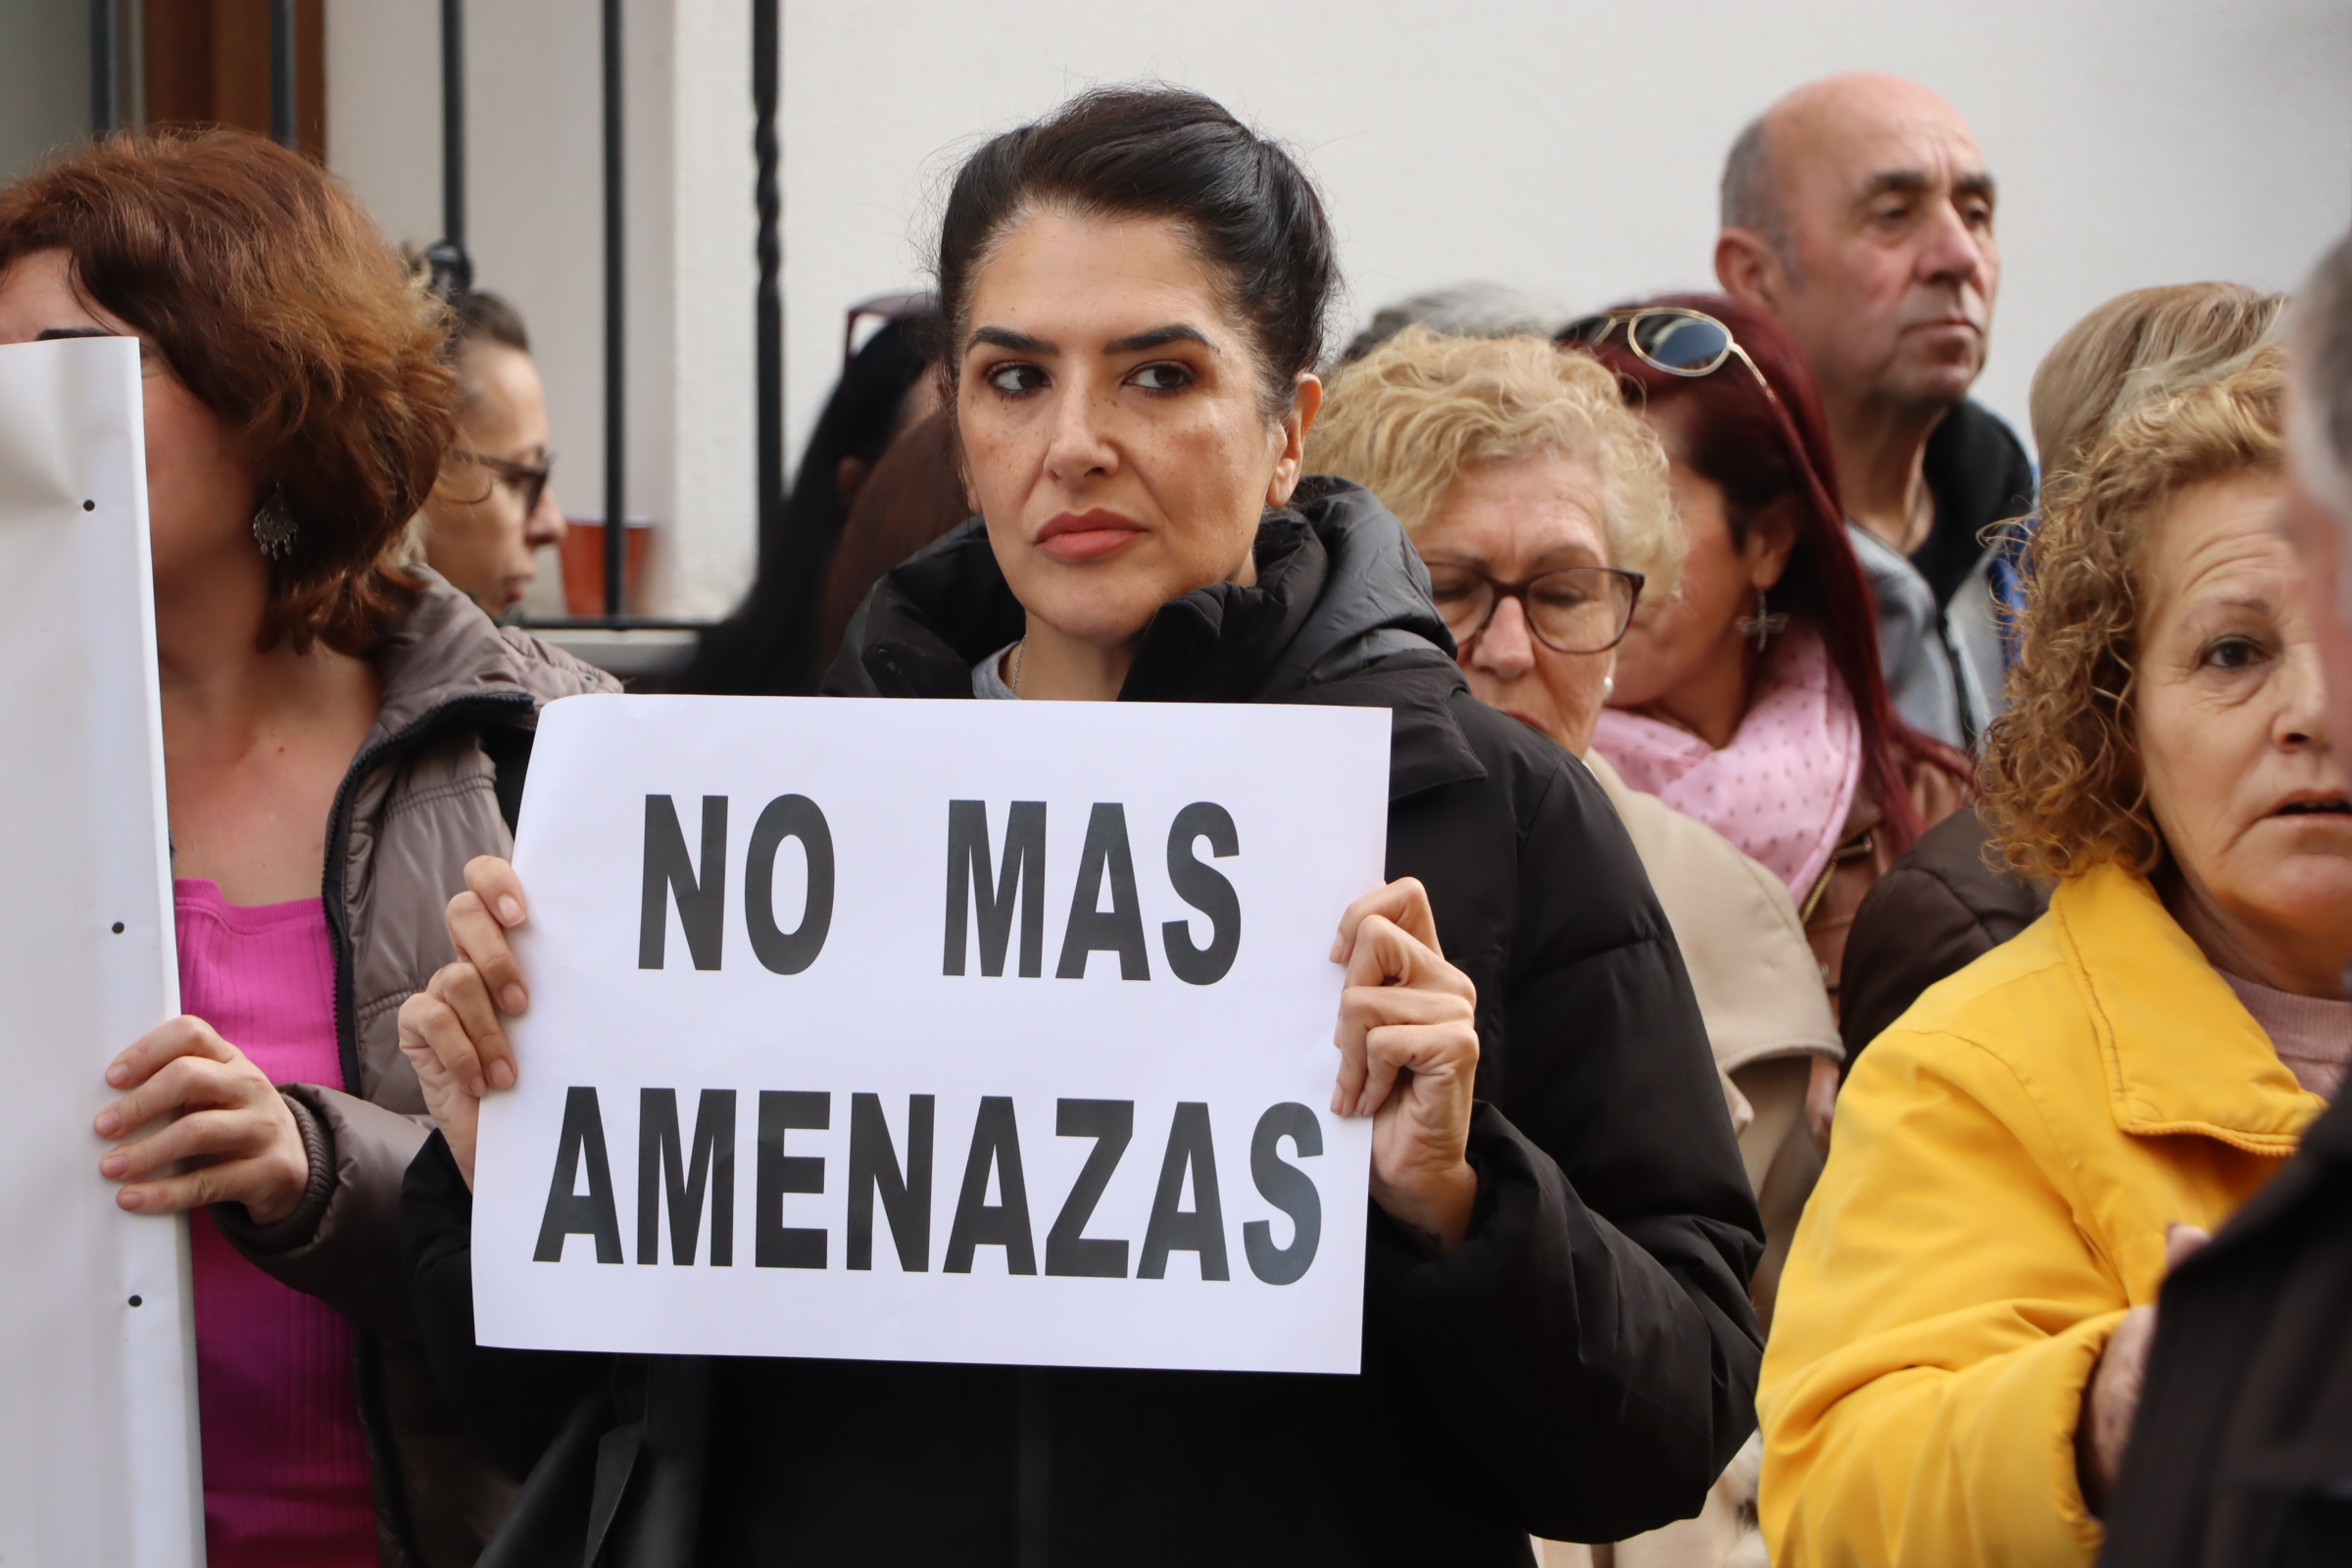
(1512, 462)
(1536, 498)
(1966, 1315)
(1943, 903)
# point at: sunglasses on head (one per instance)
(887, 308)
(1689, 343)
(1673, 338)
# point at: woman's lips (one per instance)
(1086, 535)
(2315, 805)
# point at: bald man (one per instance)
(1858, 212)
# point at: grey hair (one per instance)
(1460, 310)
(1751, 188)
(2320, 345)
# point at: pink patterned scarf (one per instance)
(1781, 789)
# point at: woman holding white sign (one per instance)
(333, 732)
(1557, 1333)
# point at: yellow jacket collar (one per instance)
(2182, 1054)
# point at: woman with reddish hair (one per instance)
(341, 735)
(1753, 699)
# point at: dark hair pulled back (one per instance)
(1158, 152)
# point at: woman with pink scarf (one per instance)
(1753, 699)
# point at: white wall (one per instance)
(44, 81)
(535, 217)
(1572, 148)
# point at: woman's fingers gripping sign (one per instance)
(450, 1031)
(1407, 1037)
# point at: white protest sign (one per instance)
(935, 1031)
(98, 1448)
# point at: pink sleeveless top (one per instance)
(285, 1460)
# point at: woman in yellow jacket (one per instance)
(1967, 1308)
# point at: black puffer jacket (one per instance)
(2241, 1453)
(1580, 1368)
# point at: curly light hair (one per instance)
(2062, 780)
(1407, 418)
(2151, 341)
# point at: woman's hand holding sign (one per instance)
(226, 1116)
(450, 1031)
(1409, 1059)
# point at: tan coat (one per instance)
(1768, 1017)
(421, 801)
(1758, 984)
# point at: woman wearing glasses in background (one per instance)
(491, 510)
(1753, 699)
(1540, 505)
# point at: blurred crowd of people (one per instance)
(1868, 920)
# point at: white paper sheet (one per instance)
(875, 1013)
(98, 1450)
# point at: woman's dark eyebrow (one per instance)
(1003, 337)
(1159, 337)
(54, 333)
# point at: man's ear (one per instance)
(1290, 462)
(1750, 270)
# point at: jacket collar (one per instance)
(2182, 1054)
(1339, 614)
(446, 651)
(1979, 475)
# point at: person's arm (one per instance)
(1938, 909)
(305, 1181)
(514, 1400)
(342, 1242)
(1938, 1322)
(1592, 1340)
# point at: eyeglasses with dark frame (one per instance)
(526, 480)
(1572, 609)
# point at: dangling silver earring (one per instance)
(1763, 625)
(273, 524)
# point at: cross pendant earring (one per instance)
(1764, 624)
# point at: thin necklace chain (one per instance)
(1020, 655)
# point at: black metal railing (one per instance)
(282, 69)
(108, 112)
(453, 122)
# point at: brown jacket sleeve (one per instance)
(1938, 909)
(342, 1243)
